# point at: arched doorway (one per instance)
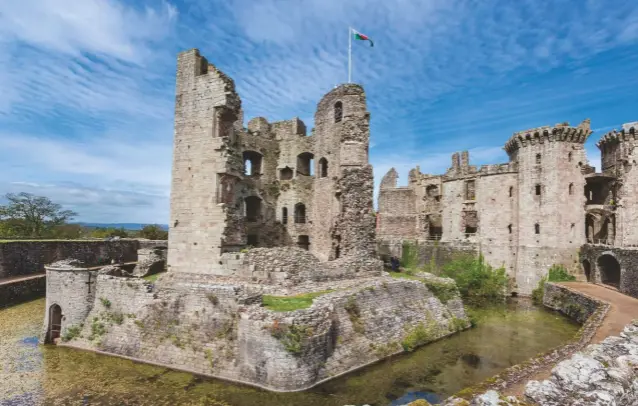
(587, 269)
(55, 323)
(609, 269)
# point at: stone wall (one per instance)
(573, 304)
(437, 253)
(22, 290)
(599, 260)
(221, 330)
(29, 257)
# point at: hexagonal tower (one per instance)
(617, 191)
(551, 161)
(206, 212)
(342, 221)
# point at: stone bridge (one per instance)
(614, 266)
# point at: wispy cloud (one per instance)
(88, 87)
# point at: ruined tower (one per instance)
(342, 218)
(551, 162)
(205, 215)
(612, 207)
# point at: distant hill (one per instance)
(126, 226)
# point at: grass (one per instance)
(290, 303)
(557, 273)
(153, 278)
(403, 275)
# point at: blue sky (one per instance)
(86, 108)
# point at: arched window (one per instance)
(252, 163)
(284, 215)
(300, 213)
(304, 164)
(338, 112)
(569, 157)
(323, 168)
(537, 228)
(538, 158)
(571, 188)
(511, 191)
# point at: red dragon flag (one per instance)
(361, 37)
(352, 33)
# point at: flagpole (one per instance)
(349, 54)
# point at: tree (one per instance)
(33, 216)
(153, 232)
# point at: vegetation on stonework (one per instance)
(72, 332)
(354, 313)
(410, 256)
(557, 273)
(441, 290)
(291, 336)
(290, 303)
(98, 329)
(105, 302)
(153, 278)
(421, 334)
(476, 279)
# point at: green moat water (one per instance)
(47, 375)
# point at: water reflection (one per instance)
(49, 375)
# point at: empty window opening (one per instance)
(284, 215)
(537, 228)
(436, 232)
(303, 241)
(571, 188)
(569, 157)
(470, 231)
(252, 240)
(470, 190)
(338, 112)
(609, 269)
(509, 228)
(55, 323)
(253, 209)
(538, 158)
(511, 191)
(304, 164)
(252, 163)
(337, 246)
(538, 190)
(432, 191)
(285, 174)
(300, 213)
(323, 168)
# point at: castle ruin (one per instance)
(545, 206)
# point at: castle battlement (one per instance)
(560, 132)
(628, 132)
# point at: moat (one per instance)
(505, 335)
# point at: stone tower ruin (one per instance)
(267, 184)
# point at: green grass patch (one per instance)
(153, 278)
(403, 275)
(289, 303)
(557, 273)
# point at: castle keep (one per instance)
(541, 208)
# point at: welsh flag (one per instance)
(361, 37)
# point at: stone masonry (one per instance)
(535, 211)
(257, 210)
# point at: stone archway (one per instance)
(609, 270)
(55, 323)
(587, 270)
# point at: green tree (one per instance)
(153, 232)
(109, 232)
(33, 216)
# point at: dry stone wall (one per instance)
(599, 262)
(22, 290)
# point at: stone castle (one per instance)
(255, 211)
(537, 210)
